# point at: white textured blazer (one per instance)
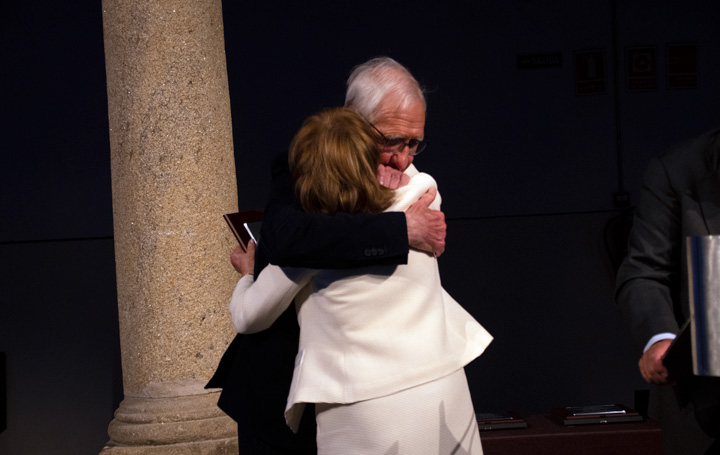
(365, 332)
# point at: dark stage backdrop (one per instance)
(539, 112)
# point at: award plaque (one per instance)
(245, 226)
(499, 420)
(594, 414)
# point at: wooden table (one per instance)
(547, 435)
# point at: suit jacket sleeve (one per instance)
(648, 280)
(293, 238)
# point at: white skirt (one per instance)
(436, 418)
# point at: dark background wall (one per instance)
(526, 166)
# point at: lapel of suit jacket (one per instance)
(709, 189)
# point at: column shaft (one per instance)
(173, 176)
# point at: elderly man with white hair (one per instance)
(257, 369)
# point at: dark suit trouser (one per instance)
(681, 432)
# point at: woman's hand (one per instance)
(244, 261)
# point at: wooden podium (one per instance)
(547, 435)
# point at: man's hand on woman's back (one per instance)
(426, 228)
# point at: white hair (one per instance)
(378, 81)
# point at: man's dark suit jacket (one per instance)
(680, 198)
(256, 370)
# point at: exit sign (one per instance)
(539, 61)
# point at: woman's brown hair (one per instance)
(334, 160)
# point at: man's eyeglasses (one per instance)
(398, 144)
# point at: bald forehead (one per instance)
(401, 120)
(403, 104)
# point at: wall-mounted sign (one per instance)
(641, 69)
(682, 71)
(589, 72)
(539, 61)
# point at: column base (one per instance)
(171, 425)
(215, 447)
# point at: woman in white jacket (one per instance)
(382, 348)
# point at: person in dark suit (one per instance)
(680, 198)
(256, 370)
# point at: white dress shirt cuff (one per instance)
(658, 337)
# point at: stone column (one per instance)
(173, 176)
